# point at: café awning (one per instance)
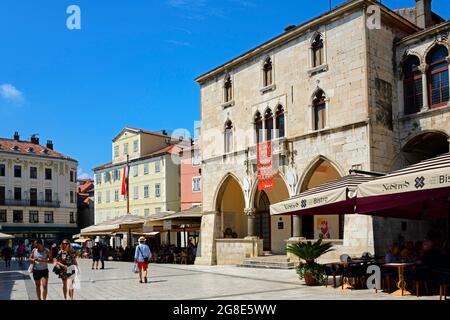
(419, 190)
(4, 236)
(334, 197)
(124, 223)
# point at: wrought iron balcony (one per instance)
(31, 203)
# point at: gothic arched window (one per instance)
(412, 85)
(267, 73)
(438, 76)
(319, 107)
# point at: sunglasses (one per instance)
(65, 243)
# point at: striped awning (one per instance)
(334, 197)
(417, 186)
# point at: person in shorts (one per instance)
(96, 254)
(142, 257)
(40, 257)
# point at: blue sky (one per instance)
(133, 63)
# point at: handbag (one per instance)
(145, 258)
(135, 268)
(57, 270)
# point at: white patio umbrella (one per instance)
(4, 236)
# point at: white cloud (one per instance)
(179, 43)
(196, 9)
(11, 93)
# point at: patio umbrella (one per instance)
(417, 191)
(4, 236)
(334, 197)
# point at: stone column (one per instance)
(251, 226)
(424, 68)
(297, 227)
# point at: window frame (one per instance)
(410, 79)
(72, 219)
(3, 216)
(48, 172)
(280, 114)
(146, 191)
(199, 178)
(321, 104)
(157, 190)
(228, 137)
(318, 48)
(33, 173)
(268, 73)
(17, 171)
(48, 214)
(17, 212)
(33, 213)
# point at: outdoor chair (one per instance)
(355, 272)
(176, 258)
(184, 258)
(417, 276)
(332, 270)
(443, 278)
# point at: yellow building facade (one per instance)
(154, 176)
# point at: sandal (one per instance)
(145, 279)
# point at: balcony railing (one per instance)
(31, 203)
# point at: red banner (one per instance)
(264, 160)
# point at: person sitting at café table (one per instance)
(393, 256)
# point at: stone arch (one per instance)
(313, 165)
(420, 146)
(315, 35)
(315, 92)
(280, 177)
(433, 46)
(222, 185)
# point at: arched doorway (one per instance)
(262, 221)
(421, 147)
(274, 230)
(230, 204)
(321, 172)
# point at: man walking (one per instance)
(6, 253)
(142, 257)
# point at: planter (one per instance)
(310, 280)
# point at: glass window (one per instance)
(258, 128)
(196, 184)
(108, 196)
(135, 192)
(33, 173)
(319, 106)
(146, 165)
(17, 172)
(228, 137)
(99, 197)
(157, 166)
(146, 212)
(228, 87)
(18, 216)
(125, 148)
(280, 122)
(136, 146)
(136, 170)
(48, 195)
(34, 216)
(157, 190)
(268, 121)
(116, 195)
(146, 191)
(71, 176)
(18, 194)
(48, 174)
(98, 178)
(157, 210)
(438, 76)
(48, 217)
(72, 217)
(116, 151)
(268, 72)
(317, 51)
(196, 158)
(3, 216)
(2, 170)
(72, 197)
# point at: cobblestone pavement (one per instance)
(180, 282)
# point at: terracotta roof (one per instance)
(27, 148)
(170, 149)
(153, 133)
(86, 187)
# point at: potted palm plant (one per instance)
(312, 272)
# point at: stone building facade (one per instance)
(38, 191)
(328, 95)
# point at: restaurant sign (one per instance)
(264, 164)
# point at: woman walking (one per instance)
(67, 261)
(39, 257)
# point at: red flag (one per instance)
(125, 182)
(264, 165)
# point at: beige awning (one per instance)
(195, 212)
(82, 240)
(4, 236)
(121, 224)
(334, 197)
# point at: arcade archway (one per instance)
(326, 225)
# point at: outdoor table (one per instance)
(401, 284)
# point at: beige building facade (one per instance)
(154, 176)
(328, 95)
(38, 191)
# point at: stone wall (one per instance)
(234, 251)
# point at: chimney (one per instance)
(16, 136)
(423, 13)
(34, 139)
(50, 144)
